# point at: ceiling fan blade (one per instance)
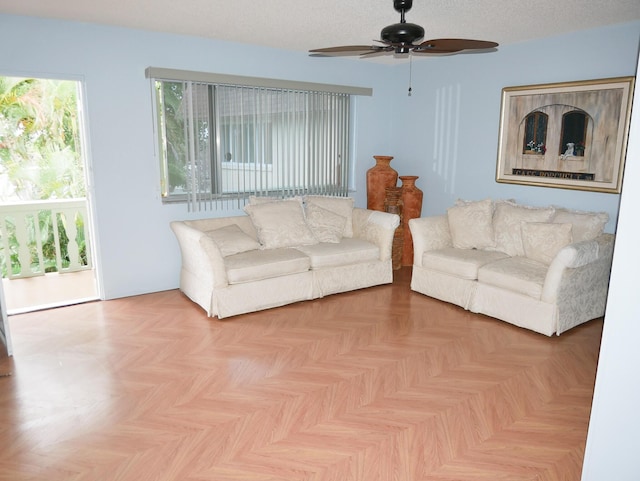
(376, 50)
(449, 45)
(356, 49)
(432, 51)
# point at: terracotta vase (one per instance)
(393, 205)
(379, 177)
(411, 209)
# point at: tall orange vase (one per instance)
(411, 209)
(379, 177)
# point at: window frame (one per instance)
(216, 161)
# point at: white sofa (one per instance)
(544, 269)
(283, 252)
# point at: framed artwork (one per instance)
(570, 135)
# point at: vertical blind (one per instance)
(221, 142)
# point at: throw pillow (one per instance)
(542, 241)
(471, 225)
(325, 225)
(507, 220)
(232, 240)
(586, 225)
(338, 205)
(280, 224)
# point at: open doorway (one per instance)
(46, 253)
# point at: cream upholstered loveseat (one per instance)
(283, 251)
(544, 269)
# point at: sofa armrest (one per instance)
(429, 233)
(579, 267)
(376, 227)
(200, 254)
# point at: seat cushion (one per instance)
(263, 264)
(517, 274)
(348, 251)
(463, 263)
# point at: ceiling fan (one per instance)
(399, 38)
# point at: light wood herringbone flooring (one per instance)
(381, 384)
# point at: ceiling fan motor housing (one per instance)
(402, 33)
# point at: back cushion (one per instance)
(471, 225)
(586, 225)
(507, 225)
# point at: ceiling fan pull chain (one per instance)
(410, 71)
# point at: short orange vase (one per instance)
(411, 209)
(379, 177)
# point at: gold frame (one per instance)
(606, 103)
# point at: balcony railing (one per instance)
(44, 236)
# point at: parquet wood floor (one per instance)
(381, 384)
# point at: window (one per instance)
(535, 133)
(224, 138)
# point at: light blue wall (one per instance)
(137, 251)
(449, 128)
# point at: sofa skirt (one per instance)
(263, 294)
(445, 287)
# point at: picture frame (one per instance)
(570, 135)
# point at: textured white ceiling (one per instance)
(304, 24)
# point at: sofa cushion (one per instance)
(280, 224)
(263, 264)
(326, 226)
(471, 225)
(517, 274)
(347, 251)
(586, 225)
(507, 222)
(463, 263)
(543, 240)
(231, 240)
(338, 205)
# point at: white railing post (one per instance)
(26, 235)
(24, 256)
(73, 250)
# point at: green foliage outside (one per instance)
(40, 159)
(173, 144)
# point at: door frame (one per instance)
(85, 146)
(5, 333)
